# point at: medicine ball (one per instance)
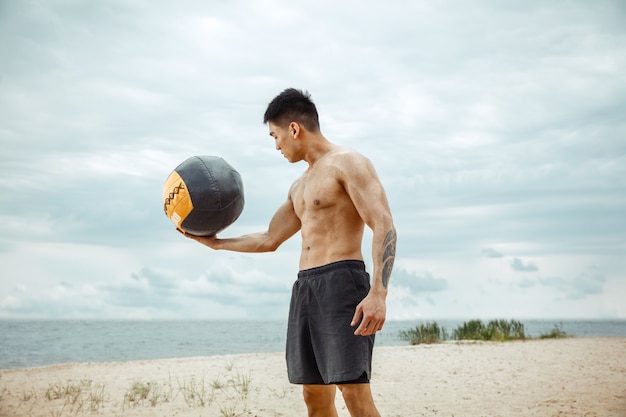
(203, 195)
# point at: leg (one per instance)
(320, 400)
(359, 400)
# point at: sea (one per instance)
(34, 343)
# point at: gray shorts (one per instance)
(321, 345)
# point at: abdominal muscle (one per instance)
(324, 242)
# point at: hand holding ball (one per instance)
(203, 195)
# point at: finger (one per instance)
(369, 328)
(363, 329)
(381, 325)
(357, 316)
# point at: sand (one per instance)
(581, 377)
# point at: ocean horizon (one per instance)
(27, 343)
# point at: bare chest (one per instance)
(317, 190)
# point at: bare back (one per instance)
(331, 226)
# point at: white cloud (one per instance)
(491, 253)
(496, 128)
(521, 266)
(588, 282)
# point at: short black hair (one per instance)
(293, 105)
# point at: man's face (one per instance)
(284, 141)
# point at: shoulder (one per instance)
(350, 163)
(348, 158)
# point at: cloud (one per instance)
(588, 282)
(148, 293)
(417, 284)
(527, 283)
(519, 265)
(486, 139)
(491, 253)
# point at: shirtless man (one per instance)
(335, 311)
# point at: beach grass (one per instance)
(429, 332)
(76, 396)
(556, 333)
(494, 330)
(227, 392)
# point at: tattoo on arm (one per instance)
(389, 255)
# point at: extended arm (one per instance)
(283, 225)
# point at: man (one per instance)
(335, 311)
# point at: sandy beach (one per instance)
(581, 377)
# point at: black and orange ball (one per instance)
(203, 195)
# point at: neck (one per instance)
(317, 147)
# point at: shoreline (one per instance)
(536, 377)
(281, 352)
(28, 344)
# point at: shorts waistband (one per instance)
(333, 266)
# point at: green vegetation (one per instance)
(495, 330)
(227, 393)
(424, 333)
(556, 333)
(148, 393)
(77, 396)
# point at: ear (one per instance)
(294, 129)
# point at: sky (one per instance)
(498, 130)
